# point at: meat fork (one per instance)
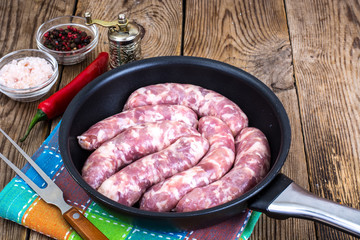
(52, 194)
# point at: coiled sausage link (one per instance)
(127, 185)
(165, 195)
(203, 101)
(131, 145)
(113, 125)
(252, 162)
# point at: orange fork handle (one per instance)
(83, 226)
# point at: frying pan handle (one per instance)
(284, 198)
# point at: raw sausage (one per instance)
(131, 145)
(203, 101)
(252, 162)
(127, 185)
(165, 195)
(113, 125)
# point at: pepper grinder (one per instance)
(124, 39)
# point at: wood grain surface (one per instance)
(306, 51)
(253, 35)
(19, 22)
(325, 39)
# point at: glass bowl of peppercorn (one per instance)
(67, 38)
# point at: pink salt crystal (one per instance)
(25, 73)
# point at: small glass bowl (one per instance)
(33, 93)
(73, 56)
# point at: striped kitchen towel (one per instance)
(19, 203)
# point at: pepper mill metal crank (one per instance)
(124, 39)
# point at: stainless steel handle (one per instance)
(295, 201)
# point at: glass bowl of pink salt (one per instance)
(67, 38)
(27, 75)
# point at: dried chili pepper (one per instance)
(57, 103)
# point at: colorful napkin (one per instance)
(19, 203)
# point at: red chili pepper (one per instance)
(57, 103)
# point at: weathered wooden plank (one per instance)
(253, 35)
(325, 41)
(162, 21)
(19, 22)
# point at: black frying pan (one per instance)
(276, 195)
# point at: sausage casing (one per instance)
(130, 145)
(252, 163)
(203, 101)
(127, 185)
(110, 127)
(165, 195)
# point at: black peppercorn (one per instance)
(67, 39)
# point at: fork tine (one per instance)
(21, 174)
(52, 194)
(28, 158)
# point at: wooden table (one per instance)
(306, 51)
